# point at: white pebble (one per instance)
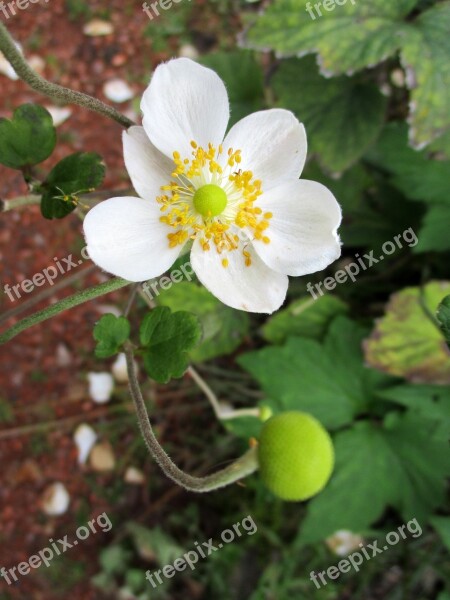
(101, 386)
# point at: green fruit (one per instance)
(295, 455)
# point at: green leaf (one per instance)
(329, 381)
(443, 316)
(434, 234)
(305, 317)
(154, 543)
(114, 560)
(110, 333)
(28, 138)
(358, 35)
(342, 116)
(76, 174)
(243, 78)
(423, 463)
(398, 466)
(223, 328)
(167, 338)
(361, 486)
(425, 56)
(431, 402)
(442, 526)
(347, 37)
(411, 171)
(406, 342)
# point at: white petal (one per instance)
(147, 167)
(273, 144)
(185, 102)
(255, 288)
(303, 230)
(125, 237)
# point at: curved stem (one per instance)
(52, 90)
(62, 305)
(246, 465)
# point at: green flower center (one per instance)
(210, 200)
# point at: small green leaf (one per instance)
(28, 138)
(154, 543)
(412, 172)
(76, 174)
(406, 342)
(114, 560)
(329, 107)
(110, 333)
(244, 79)
(223, 327)
(430, 401)
(167, 338)
(443, 316)
(305, 317)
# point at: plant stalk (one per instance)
(242, 467)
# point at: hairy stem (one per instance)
(52, 90)
(244, 466)
(18, 202)
(62, 305)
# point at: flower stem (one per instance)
(221, 414)
(242, 467)
(62, 305)
(46, 293)
(52, 90)
(18, 202)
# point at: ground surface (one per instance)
(42, 372)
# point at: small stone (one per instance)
(63, 356)
(119, 368)
(37, 63)
(98, 27)
(101, 386)
(343, 542)
(102, 457)
(398, 78)
(59, 115)
(118, 91)
(6, 68)
(188, 51)
(134, 476)
(84, 438)
(55, 500)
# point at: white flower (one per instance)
(236, 198)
